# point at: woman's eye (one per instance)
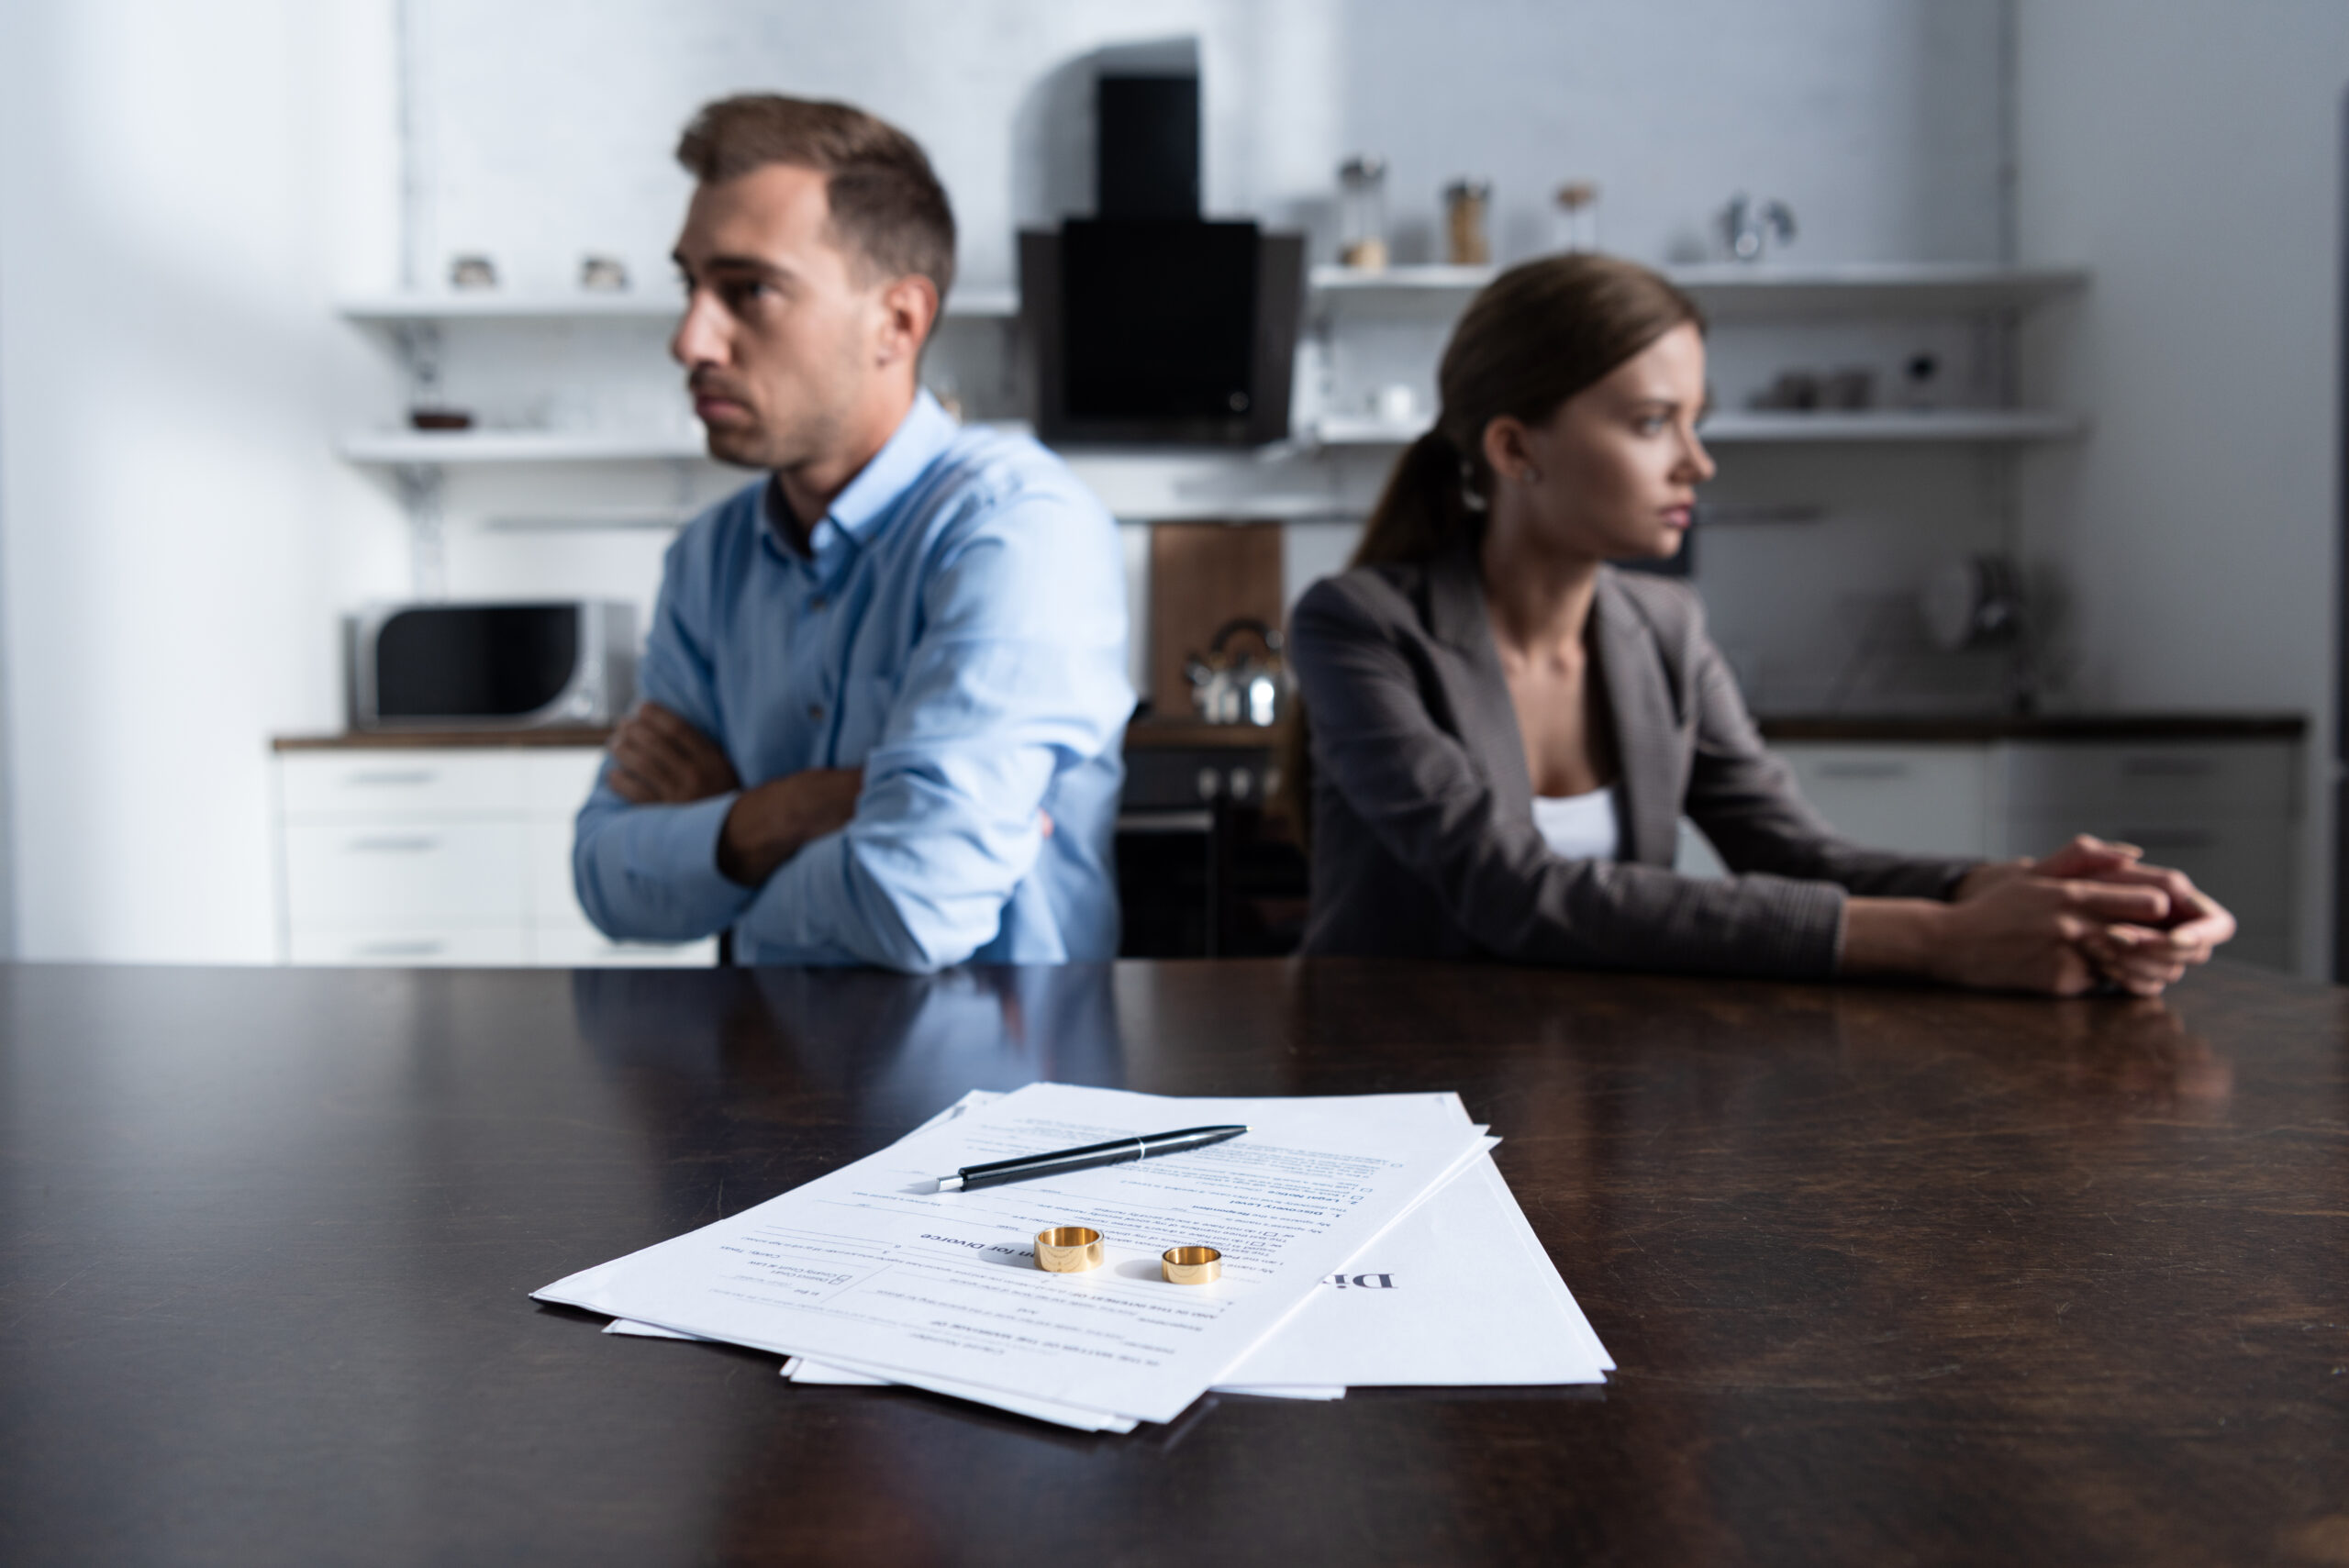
(1651, 423)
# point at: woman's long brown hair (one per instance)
(1533, 337)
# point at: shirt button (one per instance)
(816, 712)
(819, 602)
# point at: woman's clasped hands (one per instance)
(2091, 912)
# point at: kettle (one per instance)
(1234, 686)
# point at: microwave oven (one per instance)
(505, 666)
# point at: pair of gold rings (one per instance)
(1073, 1249)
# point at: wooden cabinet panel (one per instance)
(1202, 577)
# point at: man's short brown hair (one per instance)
(888, 209)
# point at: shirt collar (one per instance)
(871, 496)
(922, 435)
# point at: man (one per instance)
(884, 686)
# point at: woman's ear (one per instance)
(1508, 454)
(1504, 443)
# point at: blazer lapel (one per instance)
(1646, 729)
(1476, 684)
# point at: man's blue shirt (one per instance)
(958, 629)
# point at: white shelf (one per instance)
(1938, 426)
(1730, 292)
(1992, 425)
(418, 449)
(493, 304)
(432, 448)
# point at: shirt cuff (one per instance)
(681, 852)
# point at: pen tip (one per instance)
(950, 1184)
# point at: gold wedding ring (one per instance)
(1068, 1249)
(1191, 1265)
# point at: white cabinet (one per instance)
(427, 856)
(2225, 812)
(1931, 799)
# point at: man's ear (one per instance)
(909, 311)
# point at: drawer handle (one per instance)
(1863, 770)
(398, 950)
(388, 845)
(2170, 838)
(393, 776)
(2167, 767)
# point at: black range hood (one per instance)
(1152, 326)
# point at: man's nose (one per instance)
(700, 338)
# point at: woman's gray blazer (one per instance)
(1423, 836)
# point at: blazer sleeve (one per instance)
(1426, 801)
(1746, 802)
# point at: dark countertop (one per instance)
(1175, 734)
(412, 739)
(1892, 1276)
(2123, 727)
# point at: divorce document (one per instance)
(1459, 1292)
(873, 1269)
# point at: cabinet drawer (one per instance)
(353, 873)
(584, 947)
(417, 947)
(2153, 783)
(378, 783)
(554, 896)
(1918, 800)
(556, 780)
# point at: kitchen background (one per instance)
(210, 214)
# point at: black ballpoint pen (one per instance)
(1028, 1167)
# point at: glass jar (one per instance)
(1576, 225)
(1362, 214)
(1467, 209)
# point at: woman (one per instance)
(1504, 731)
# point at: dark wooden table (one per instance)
(1893, 1276)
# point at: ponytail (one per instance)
(1428, 505)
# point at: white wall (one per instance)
(2191, 155)
(548, 124)
(175, 182)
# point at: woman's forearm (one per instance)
(1893, 936)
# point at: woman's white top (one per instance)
(1580, 826)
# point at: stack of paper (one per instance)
(1367, 1239)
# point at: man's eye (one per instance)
(749, 291)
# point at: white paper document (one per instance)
(871, 1269)
(1458, 1293)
